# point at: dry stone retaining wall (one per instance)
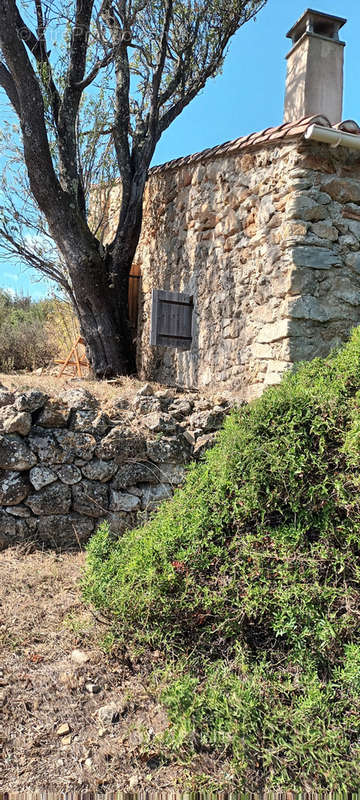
(66, 464)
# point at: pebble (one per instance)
(79, 657)
(63, 729)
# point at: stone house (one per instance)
(260, 235)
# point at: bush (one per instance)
(27, 340)
(249, 583)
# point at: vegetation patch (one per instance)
(248, 582)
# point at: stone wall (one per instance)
(267, 242)
(66, 464)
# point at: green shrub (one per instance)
(249, 583)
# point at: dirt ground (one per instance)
(42, 688)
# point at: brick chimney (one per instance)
(315, 66)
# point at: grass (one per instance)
(248, 582)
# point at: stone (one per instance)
(79, 398)
(109, 714)
(65, 531)
(15, 454)
(325, 230)
(76, 444)
(30, 401)
(79, 657)
(92, 688)
(91, 421)
(160, 423)
(207, 421)
(14, 487)
(203, 443)
(273, 332)
(63, 730)
(7, 529)
(135, 472)
(168, 449)
(98, 470)
(18, 511)
(133, 782)
(301, 206)
(50, 500)
(145, 391)
(6, 397)
(120, 521)
(55, 414)
(90, 498)
(152, 496)
(146, 405)
(47, 449)
(315, 257)
(353, 261)
(180, 408)
(121, 501)
(343, 190)
(41, 476)
(69, 474)
(13, 421)
(121, 445)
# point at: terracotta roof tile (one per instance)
(276, 134)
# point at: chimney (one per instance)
(315, 65)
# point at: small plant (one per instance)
(248, 581)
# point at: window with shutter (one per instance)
(171, 319)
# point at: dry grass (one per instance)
(42, 622)
(104, 391)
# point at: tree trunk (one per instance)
(102, 306)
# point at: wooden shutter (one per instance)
(171, 319)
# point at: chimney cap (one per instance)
(318, 23)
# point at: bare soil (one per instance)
(42, 622)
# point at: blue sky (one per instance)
(247, 96)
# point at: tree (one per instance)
(149, 58)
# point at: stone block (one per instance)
(121, 445)
(14, 487)
(98, 470)
(274, 331)
(315, 257)
(55, 414)
(135, 472)
(15, 454)
(13, 421)
(64, 530)
(121, 501)
(53, 499)
(90, 498)
(30, 401)
(41, 476)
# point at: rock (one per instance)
(165, 394)
(120, 521)
(353, 260)
(65, 531)
(30, 401)
(172, 473)
(135, 472)
(76, 444)
(160, 423)
(92, 688)
(207, 421)
(153, 495)
(325, 230)
(315, 257)
(204, 443)
(121, 445)
(55, 414)
(15, 454)
(145, 391)
(133, 782)
(14, 487)
(18, 511)
(79, 398)
(69, 474)
(180, 408)
(146, 405)
(119, 404)
(89, 420)
(6, 397)
(120, 501)
(110, 713)
(274, 331)
(41, 476)
(53, 499)
(63, 730)
(168, 449)
(13, 421)
(79, 657)
(90, 498)
(301, 206)
(88, 762)
(98, 470)
(8, 528)
(343, 190)
(47, 449)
